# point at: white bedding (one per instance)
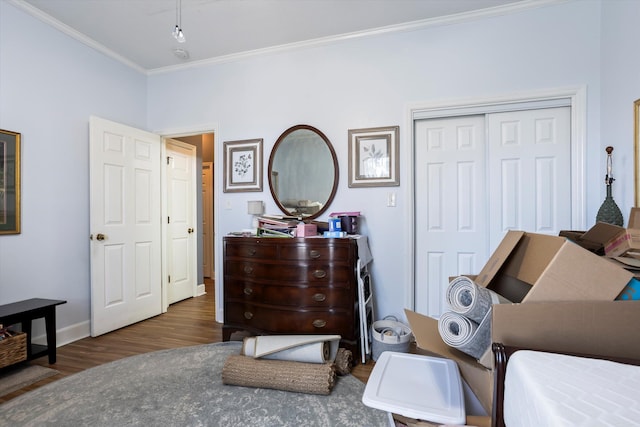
(545, 389)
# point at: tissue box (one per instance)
(306, 230)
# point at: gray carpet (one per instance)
(183, 387)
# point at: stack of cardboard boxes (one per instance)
(564, 299)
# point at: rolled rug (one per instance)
(473, 301)
(460, 332)
(344, 361)
(296, 348)
(311, 378)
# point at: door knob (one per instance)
(190, 230)
(99, 237)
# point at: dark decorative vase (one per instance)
(609, 212)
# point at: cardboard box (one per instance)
(529, 267)
(559, 289)
(594, 239)
(429, 342)
(627, 241)
(605, 328)
(472, 420)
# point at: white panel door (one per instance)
(181, 236)
(125, 225)
(529, 165)
(451, 226)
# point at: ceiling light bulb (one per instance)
(180, 36)
(174, 33)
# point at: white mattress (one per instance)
(545, 389)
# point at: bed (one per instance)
(534, 386)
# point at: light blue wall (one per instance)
(620, 87)
(51, 84)
(373, 82)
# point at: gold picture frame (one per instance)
(9, 182)
(374, 157)
(636, 150)
(242, 166)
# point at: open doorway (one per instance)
(204, 192)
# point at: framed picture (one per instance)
(9, 182)
(242, 166)
(636, 149)
(373, 157)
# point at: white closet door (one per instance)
(477, 177)
(529, 165)
(451, 224)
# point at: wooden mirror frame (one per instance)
(336, 173)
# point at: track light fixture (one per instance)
(177, 30)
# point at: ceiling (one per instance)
(138, 32)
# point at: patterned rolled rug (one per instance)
(183, 387)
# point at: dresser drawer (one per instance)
(285, 321)
(333, 253)
(319, 273)
(291, 296)
(250, 250)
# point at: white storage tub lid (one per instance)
(415, 386)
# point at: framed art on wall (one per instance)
(242, 166)
(9, 182)
(373, 157)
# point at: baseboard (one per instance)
(67, 335)
(200, 290)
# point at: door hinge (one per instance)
(168, 220)
(168, 160)
(169, 280)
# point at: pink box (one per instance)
(304, 230)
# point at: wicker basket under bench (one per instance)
(13, 349)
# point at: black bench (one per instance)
(24, 312)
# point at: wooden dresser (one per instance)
(292, 286)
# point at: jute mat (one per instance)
(15, 378)
(314, 378)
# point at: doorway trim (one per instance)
(170, 133)
(575, 98)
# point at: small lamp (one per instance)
(255, 208)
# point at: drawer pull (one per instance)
(313, 253)
(248, 291)
(248, 269)
(319, 274)
(319, 297)
(319, 323)
(251, 251)
(248, 315)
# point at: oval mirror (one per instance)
(303, 172)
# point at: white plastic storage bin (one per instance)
(422, 387)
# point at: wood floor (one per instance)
(189, 322)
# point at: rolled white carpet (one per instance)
(460, 332)
(465, 297)
(295, 348)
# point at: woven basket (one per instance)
(13, 349)
(389, 335)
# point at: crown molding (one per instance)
(64, 28)
(405, 27)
